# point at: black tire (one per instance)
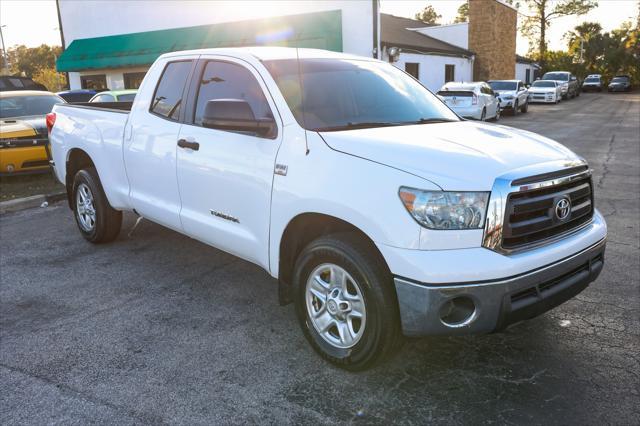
(515, 109)
(525, 107)
(483, 116)
(108, 221)
(382, 335)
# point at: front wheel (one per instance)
(525, 107)
(515, 108)
(483, 116)
(346, 303)
(97, 220)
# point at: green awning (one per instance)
(322, 30)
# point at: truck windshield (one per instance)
(341, 94)
(560, 76)
(23, 106)
(503, 85)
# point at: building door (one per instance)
(527, 77)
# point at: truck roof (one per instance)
(269, 53)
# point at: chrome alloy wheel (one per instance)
(335, 305)
(85, 209)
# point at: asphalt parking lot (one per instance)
(158, 328)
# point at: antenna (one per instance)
(304, 120)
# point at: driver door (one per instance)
(225, 177)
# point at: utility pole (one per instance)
(5, 61)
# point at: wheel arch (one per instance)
(77, 159)
(299, 232)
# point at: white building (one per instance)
(526, 69)
(112, 44)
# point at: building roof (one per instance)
(523, 60)
(395, 32)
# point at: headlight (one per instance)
(446, 210)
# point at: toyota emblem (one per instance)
(563, 208)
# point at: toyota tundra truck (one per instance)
(380, 212)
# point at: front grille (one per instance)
(530, 215)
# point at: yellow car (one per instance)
(24, 142)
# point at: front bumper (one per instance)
(492, 305)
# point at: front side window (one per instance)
(167, 98)
(225, 80)
(342, 94)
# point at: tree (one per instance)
(428, 15)
(463, 13)
(52, 80)
(29, 60)
(543, 12)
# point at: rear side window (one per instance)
(225, 80)
(167, 98)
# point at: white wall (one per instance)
(432, 68)
(85, 19)
(456, 34)
(521, 72)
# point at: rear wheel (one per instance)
(346, 303)
(97, 220)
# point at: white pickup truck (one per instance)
(380, 212)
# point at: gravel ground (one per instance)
(157, 328)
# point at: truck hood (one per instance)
(458, 156)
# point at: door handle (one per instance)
(183, 143)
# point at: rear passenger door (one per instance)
(225, 180)
(150, 144)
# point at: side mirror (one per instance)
(236, 115)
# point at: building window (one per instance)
(527, 77)
(95, 82)
(132, 80)
(413, 68)
(449, 73)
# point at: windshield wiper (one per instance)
(361, 125)
(433, 120)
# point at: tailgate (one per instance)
(458, 98)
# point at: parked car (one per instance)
(79, 95)
(377, 208)
(14, 82)
(115, 96)
(513, 95)
(547, 91)
(23, 131)
(620, 83)
(471, 100)
(568, 83)
(592, 83)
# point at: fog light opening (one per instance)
(458, 312)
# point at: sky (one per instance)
(34, 22)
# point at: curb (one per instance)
(30, 202)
